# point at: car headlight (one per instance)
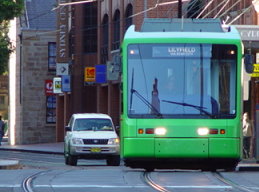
(77, 141)
(113, 141)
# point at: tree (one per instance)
(8, 10)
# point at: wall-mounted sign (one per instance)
(57, 85)
(66, 83)
(62, 34)
(62, 69)
(49, 87)
(100, 73)
(90, 74)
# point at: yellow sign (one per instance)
(90, 74)
(256, 71)
(256, 68)
(255, 75)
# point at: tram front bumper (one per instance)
(181, 148)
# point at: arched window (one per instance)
(128, 19)
(90, 28)
(116, 30)
(105, 39)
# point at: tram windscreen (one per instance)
(181, 80)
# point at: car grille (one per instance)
(95, 141)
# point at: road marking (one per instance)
(140, 186)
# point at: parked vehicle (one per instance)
(91, 136)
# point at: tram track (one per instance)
(150, 182)
(223, 179)
(27, 182)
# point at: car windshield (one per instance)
(182, 80)
(92, 125)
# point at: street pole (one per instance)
(179, 8)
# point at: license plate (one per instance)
(96, 150)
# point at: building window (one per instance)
(51, 109)
(90, 28)
(105, 39)
(129, 12)
(52, 53)
(116, 31)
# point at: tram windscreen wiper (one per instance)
(199, 108)
(133, 91)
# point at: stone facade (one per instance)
(31, 35)
(34, 72)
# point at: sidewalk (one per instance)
(49, 148)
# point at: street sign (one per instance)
(62, 69)
(66, 83)
(100, 73)
(57, 85)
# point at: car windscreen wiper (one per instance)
(199, 108)
(133, 91)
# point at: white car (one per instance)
(91, 136)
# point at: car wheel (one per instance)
(71, 160)
(113, 160)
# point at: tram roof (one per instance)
(182, 28)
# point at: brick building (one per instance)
(32, 113)
(95, 34)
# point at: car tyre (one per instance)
(71, 160)
(113, 160)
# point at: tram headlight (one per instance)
(203, 131)
(160, 131)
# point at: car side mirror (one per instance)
(249, 63)
(67, 128)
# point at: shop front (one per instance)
(250, 38)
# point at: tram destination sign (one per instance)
(182, 50)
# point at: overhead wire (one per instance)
(156, 5)
(209, 3)
(197, 11)
(221, 9)
(215, 8)
(229, 8)
(190, 6)
(243, 12)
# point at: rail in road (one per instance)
(27, 184)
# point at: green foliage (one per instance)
(8, 10)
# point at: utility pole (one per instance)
(179, 8)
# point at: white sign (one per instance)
(257, 57)
(57, 85)
(62, 69)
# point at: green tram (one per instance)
(182, 100)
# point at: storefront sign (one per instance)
(90, 74)
(256, 71)
(49, 87)
(62, 35)
(57, 85)
(248, 32)
(100, 73)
